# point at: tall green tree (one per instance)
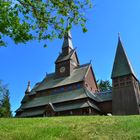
(104, 85)
(5, 107)
(24, 20)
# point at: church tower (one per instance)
(67, 59)
(125, 92)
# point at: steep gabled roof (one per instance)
(61, 57)
(50, 81)
(90, 67)
(122, 65)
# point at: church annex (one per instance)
(72, 88)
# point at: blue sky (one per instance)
(23, 62)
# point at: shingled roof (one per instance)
(55, 98)
(80, 93)
(122, 65)
(75, 105)
(50, 81)
(61, 57)
(32, 113)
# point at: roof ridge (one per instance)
(51, 104)
(83, 65)
(72, 52)
(49, 74)
(87, 71)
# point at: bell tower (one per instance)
(125, 91)
(67, 59)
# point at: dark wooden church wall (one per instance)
(105, 107)
(125, 97)
(90, 81)
(78, 112)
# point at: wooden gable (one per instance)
(90, 80)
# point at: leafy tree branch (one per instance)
(24, 20)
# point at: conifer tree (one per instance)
(5, 107)
(104, 85)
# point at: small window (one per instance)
(128, 83)
(122, 84)
(55, 90)
(116, 85)
(65, 88)
(74, 86)
(122, 79)
(78, 85)
(62, 89)
(128, 78)
(70, 87)
(115, 80)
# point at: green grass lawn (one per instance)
(71, 128)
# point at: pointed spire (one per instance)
(122, 65)
(28, 88)
(67, 37)
(67, 40)
(119, 38)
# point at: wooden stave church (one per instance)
(72, 89)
